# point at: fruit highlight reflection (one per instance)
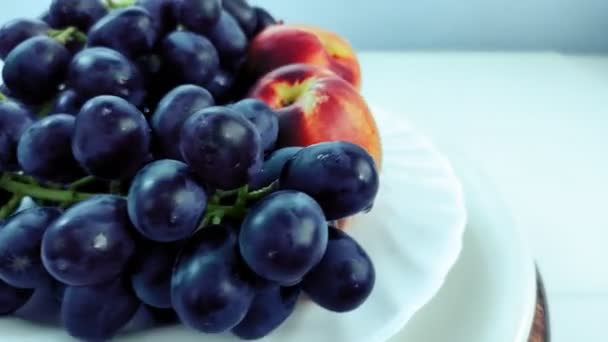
(183, 157)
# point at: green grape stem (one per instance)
(10, 206)
(117, 4)
(16, 186)
(68, 34)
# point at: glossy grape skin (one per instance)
(90, 243)
(34, 69)
(273, 166)
(283, 236)
(165, 201)
(102, 71)
(263, 118)
(68, 101)
(45, 150)
(111, 138)
(265, 19)
(98, 312)
(171, 113)
(15, 118)
(198, 15)
(162, 13)
(211, 289)
(20, 240)
(222, 147)
(271, 306)
(228, 37)
(243, 13)
(12, 298)
(151, 273)
(221, 86)
(344, 278)
(129, 31)
(19, 30)
(189, 58)
(341, 176)
(80, 13)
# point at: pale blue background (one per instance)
(567, 25)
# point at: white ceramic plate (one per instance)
(490, 294)
(413, 235)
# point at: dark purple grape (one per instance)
(341, 176)
(211, 289)
(263, 118)
(148, 317)
(90, 243)
(198, 15)
(151, 273)
(45, 150)
(111, 138)
(228, 37)
(35, 68)
(165, 202)
(221, 86)
(265, 19)
(284, 236)
(189, 58)
(15, 118)
(12, 298)
(47, 19)
(344, 278)
(80, 13)
(222, 147)
(20, 240)
(171, 113)
(163, 16)
(272, 167)
(244, 14)
(19, 30)
(68, 101)
(98, 312)
(271, 306)
(129, 31)
(102, 71)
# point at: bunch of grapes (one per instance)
(150, 182)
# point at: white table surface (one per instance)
(537, 124)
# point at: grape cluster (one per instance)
(150, 182)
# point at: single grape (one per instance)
(12, 298)
(211, 289)
(189, 58)
(222, 147)
(45, 150)
(244, 14)
(271, 306)
(102, 71)
(19, 30)
(34, 69)
(98, 312)
(111, 138)
(15, 118)
(284, 236)
(344, 278)
(265, 19)
(228, 37)
(163, 16)
(171, 113)
(221, 86)
(272, 167)
(129, 31)
(20, 240)
(90, 243)
(151, 273)
(165, 202)
(341, 176)
(68, 101)
(198, 15)
(263, 118)
(80, 13)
